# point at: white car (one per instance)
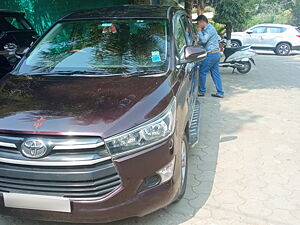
(281, 39)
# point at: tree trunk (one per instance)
(228, 34)
(200, 7)
(189, 7)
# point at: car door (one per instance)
(192, 70)
(257, 35)
(271, 37)
(184, 36)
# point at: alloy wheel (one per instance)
(283, 49)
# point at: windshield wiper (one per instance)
(142, 73)
(69, 73)
(74, 73)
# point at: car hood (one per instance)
(101, 106)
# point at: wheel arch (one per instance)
(284, 42)
(237, 40)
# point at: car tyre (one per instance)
(283, 49)
(235, 44)
(183, 168)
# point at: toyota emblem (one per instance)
(34, 148)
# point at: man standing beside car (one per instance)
(210, 39)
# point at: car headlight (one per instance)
(146, 134)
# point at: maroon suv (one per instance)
(97, 117)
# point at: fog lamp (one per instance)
(166, 172)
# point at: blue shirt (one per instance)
(209, 38)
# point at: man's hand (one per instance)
(199, 29)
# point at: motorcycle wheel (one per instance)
(245, 68)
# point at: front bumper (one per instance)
(124, 202)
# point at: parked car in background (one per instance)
(15, 32)
(281, 39)
(5, 66)
(97, 118)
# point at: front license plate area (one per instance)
(37, 202)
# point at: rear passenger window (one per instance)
(275, 30)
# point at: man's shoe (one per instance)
(200, 94)
(217, 95)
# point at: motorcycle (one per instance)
(238, 58)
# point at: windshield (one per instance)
(104, 47)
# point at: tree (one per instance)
(43, 13)
(188, 5)
(200, 7)
(296, 12)
(197, 4)
(274, 11)
(232, 13)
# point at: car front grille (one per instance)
(78, 173)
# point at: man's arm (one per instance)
(205, 35)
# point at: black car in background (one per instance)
(15, 32)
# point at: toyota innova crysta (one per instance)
(97, 117)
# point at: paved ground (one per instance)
(246, 169)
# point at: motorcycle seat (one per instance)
(230, 51)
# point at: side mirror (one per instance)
(249, 32)
(194, 53)
(20, 52)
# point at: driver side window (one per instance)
(180, 39)
(259, 30)
(188, 30)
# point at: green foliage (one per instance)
(296, 13)
(284, 17)
(240, 15)
(233, 12)
(43, 13)
(219, 27)
(274, 11)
